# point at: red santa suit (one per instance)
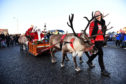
(28, 32)
(37, 37)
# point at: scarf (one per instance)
(95, 29)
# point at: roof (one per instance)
(55, 30)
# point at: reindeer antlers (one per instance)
(105, 15)
(89, 21)
(71, 23)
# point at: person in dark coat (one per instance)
(8, 40)
(118, 37)
(3, 40)
(97, 26)
(124, 41)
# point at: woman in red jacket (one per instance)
(98, 27)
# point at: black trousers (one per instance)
(98, 45)
(117, 43)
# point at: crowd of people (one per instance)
(33, 33)
(8, 40)
(121, 39)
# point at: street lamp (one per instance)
(17, 21)
(45, 27)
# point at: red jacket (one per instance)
(98, 37)
(28, 32)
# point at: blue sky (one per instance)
(18, 15)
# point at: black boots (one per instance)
(90, 64)
(105, 73)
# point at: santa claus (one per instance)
(34, 34)
(38, 35)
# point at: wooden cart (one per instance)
(36, 48)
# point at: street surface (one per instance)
(21, 68)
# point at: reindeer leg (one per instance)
(24, 48)
(21, 47)
(75, 64)
(52, 55)
(66, 57)
(80, 55)
(81, 61)
(63, 58)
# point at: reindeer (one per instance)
(23, 41)
(79, 44)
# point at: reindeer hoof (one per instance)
(81, 62)
(77, 69)
(53, 61)
(62, 65)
